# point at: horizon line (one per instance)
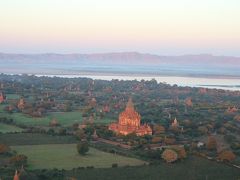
(119, 52)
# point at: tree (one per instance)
(115, 165)
(237, 118)
(4, 148)
(226, 156)
(54, 122)
(169, 155)
(80, 134)
(180, 151)
(19, 160)
(50, 131)
(229, 138)
(203, 129)
(169, 141)
(156, 139)
(188, 102)
(82, 147)
(158, 129)
(68, 107)
(62, 132)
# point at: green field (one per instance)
(5, 128)
(65, 156)
(1, 108)
(20, 118)
(13, 96)
(35, 139)
(193, 168)
(69, 118)
(64, 118)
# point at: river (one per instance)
(232, 84)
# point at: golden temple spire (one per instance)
(16, 176)
(130, 104)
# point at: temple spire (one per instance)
(130, 104)
(16, 176)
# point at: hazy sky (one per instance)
(168, 27)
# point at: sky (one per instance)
(164, 27)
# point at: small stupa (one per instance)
(16, 176)
(175, 123)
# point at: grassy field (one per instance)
(67, 118)
(64, 118)
(193, 168)
(65, 156)
(20, 118)
(5, 128)
(35, 139)
(1, 108)
(13, 96)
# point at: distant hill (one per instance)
(204, 62)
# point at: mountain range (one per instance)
(201, 63)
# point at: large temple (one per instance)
(129, 122)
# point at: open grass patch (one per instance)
(5, 128)
(13, 96)
(69, 118)
(34, 139)
(65, 156)
(2, 108)
(193, 168)
(64, 118)
(23, 119)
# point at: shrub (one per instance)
(226, 156)
(4, 148)
(82, 147)
(115, 165)
(19, 160)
